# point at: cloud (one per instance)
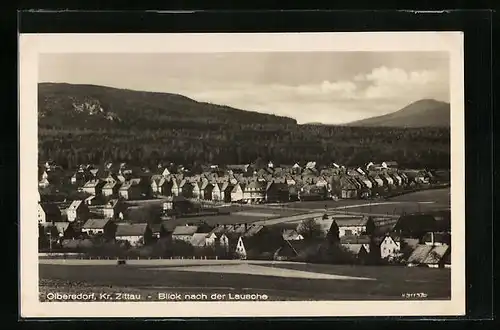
(380, 91)
(395, 83)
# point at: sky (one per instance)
(312, 87)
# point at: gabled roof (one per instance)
(219, 230)
(239, 229)
(74, 205)
(156, 178)
(419, 254)
(253, 230)
(351, 221)
(110, 185)
(126, 185)
(261, 244)
(135, 229)
(95, 223)
(305, 247)
(353, 248)
(325, 225)
(227, 186)
(206, 184)
(185, 230)
(198, 239)
(51, 209)
(256, 185)
(364, 239)
(277, 186)
(235, 187)
(436, 254)
(92, 183)
(415, 222)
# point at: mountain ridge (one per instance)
(95, 106)
(421, 113)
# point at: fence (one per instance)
(87, 257)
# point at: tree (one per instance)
(310, 229)
(150, 213)
(333, 234)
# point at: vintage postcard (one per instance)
(237, 175)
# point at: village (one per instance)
(240, 212)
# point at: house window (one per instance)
(348, 232)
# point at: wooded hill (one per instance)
(422, 113)
(93, 124)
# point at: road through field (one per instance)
(420, 201)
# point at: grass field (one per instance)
(277, 280)
(421, 201)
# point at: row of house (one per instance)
(241, 183)
(355, 234)
(79, 211)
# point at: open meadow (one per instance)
(278, 280)
(420, 201)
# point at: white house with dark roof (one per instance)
(135, 233)
(237, 192)
(438, 257)
(254, 191)
(114, 209)
(430, 256)
(184, 233)
(199, 240)
(110, 188)
(354, 225)
(93, 187)
(94, 227)
(390, 246)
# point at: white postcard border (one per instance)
(31, 45)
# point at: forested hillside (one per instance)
(148, 129)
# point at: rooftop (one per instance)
(135, 229)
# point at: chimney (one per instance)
(432, 238)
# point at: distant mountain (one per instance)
(423, 113)
(91, 106)
(314, 123)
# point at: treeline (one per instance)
(199, 143)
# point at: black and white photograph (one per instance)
(234, 173)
